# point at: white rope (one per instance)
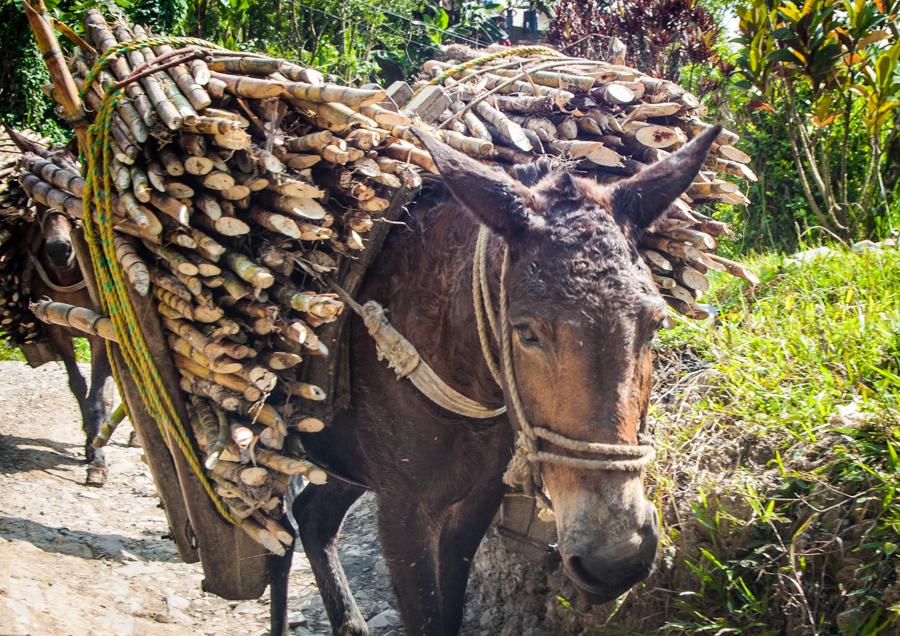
(523, 470)
(481, 300)
(42, 274)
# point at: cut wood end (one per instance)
(310, 425)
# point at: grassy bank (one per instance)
(8, 351)
(779, 431)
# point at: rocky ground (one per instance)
(79, 560)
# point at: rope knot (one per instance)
(518, 474)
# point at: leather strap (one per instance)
(42, 274)
(406, 362)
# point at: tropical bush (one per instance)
(660, 36)
(827, 72)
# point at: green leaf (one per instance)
(782, 55)
(442, 20)
(784, 33)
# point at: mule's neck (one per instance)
(424, 278)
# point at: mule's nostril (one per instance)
(580, 573)
(60, 253)
(649, 532)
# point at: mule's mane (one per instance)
(581, 254)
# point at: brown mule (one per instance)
(55, 274)
(582, 312)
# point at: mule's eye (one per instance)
(526, 335)
(655, 320)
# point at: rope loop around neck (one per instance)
(524, 469)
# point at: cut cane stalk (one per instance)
(79, 318)
(289, 466)
(222, 364)
(247, 270)
(735, 269)
(134, 266)
(510, 130)
(281, 360)
(176, 261)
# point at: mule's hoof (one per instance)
(96, 475)
(134, 440)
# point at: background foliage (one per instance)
(812, 87)
(781, 437)
(352, 41)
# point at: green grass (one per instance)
(780, 438)
(9, 351)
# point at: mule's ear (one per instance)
(643, 198)
(491, 196)
(22, 142)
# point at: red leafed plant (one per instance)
(661, 36)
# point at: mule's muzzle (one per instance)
(60, 253)
(604, 571)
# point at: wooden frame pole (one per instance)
(65, 89)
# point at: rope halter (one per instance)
(524, 470)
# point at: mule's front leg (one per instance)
(409, 539)
(63, 346)
(320, 511)
(95, 411)
(464, 527)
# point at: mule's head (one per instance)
(583, 310)
(56, 236)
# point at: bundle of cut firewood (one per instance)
(606, 120)
(239, 179)
(17, 215)
(237, 331)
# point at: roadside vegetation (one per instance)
(8, 352)
(779, 426)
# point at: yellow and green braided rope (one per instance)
(98, 231)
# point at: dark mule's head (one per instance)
(56, 239)
(583, 309)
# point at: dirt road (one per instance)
(78, 560)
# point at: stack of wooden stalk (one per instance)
(17, 214)
(609, 121)
(238, 180)
(241, 179)
(235, 338)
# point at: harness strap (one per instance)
(406, 362)
(42, 274)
